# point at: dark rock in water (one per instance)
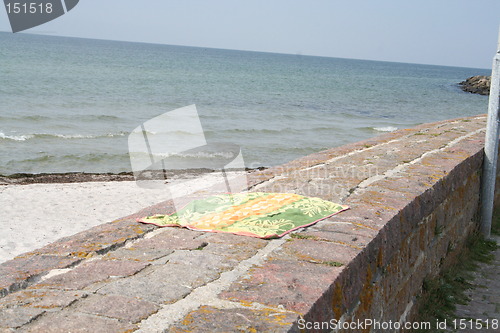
(478, 84)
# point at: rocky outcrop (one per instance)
(478, 84)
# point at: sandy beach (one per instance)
(35, 215)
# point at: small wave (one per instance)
(263, 130)
(15, 137)
(272, 131)
(203, 155)
(199, 155)
(90, 157)
(211, 117)
(92, 117)
(80, 136)
(169, 133)
(35, 117)
(31, 118)
(88, 117)
(385, 129)
(295, 151)
(61, 136)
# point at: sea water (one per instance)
(69, 104)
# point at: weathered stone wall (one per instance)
(415, 243)
(414, 197)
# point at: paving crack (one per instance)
(207, 294)
(392, 172)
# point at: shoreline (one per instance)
(86, 177)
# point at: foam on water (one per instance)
(60, 136)
(15, 137)
(385, 129)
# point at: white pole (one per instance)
(491, 148)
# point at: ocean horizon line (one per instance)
(298, 54)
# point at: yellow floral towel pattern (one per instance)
(264, 215)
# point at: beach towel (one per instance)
(263, 215)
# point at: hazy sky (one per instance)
(443, 32)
